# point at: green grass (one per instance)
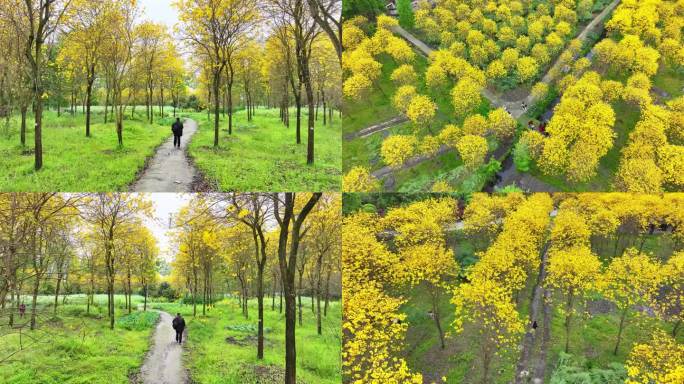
(212, 360)
(262, 155)
(71, 161)
(422, 176)
(669, 80)
(75, 348)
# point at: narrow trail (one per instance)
(375, 128)
(163, 363)
(530, 339)
(169, 170)
(410, 163)
(582, 36)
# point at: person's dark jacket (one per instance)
(177, 128)
(178, 323)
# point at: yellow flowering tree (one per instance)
(359, 179)
(396, 149)
(661, 360)
(630, 280)
(473, 150)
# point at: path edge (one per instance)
(135, 377)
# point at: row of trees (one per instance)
(245, 244)
(564, 250)
(511, 41)
(76, 243)
(87, 52)
(65, 51)
(302, 38)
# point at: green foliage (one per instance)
(542, 105)
(521, 157)
(405, 10)
(370, 208)
(476, 181)
(508, 189)
(572, 370)
(165, 290)
(138, 321)
(368, 8)
(351, 202)
(246, 328)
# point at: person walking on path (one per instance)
(177, 129)
(22, 310)
(178, 324)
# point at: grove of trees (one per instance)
(298, 63)
(537, 261)
(257, 245)
(66, 244)
(66, 54)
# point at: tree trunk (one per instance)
(622, 325)
(24, 109)
(325, 105)
(310, 99)
(282, 293)
(327, 292)
(299, 299)
(568, 320)
(230, 105)
(435, 314)
(59, 282)
(273, 289)
(298, 105)
(38, 139)
(36, 285)
(217, 100)
(106, 110)
(89, 93)
(260, 300)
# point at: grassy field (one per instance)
(591, 342)
(262, 155)
(75, 348)
(73, 162)
(212, 358)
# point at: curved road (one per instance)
(163, 364)
(169, 170)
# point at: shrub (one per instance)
(521, 157)
(138, 321)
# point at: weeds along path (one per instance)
(163, 363)
(169, 170)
